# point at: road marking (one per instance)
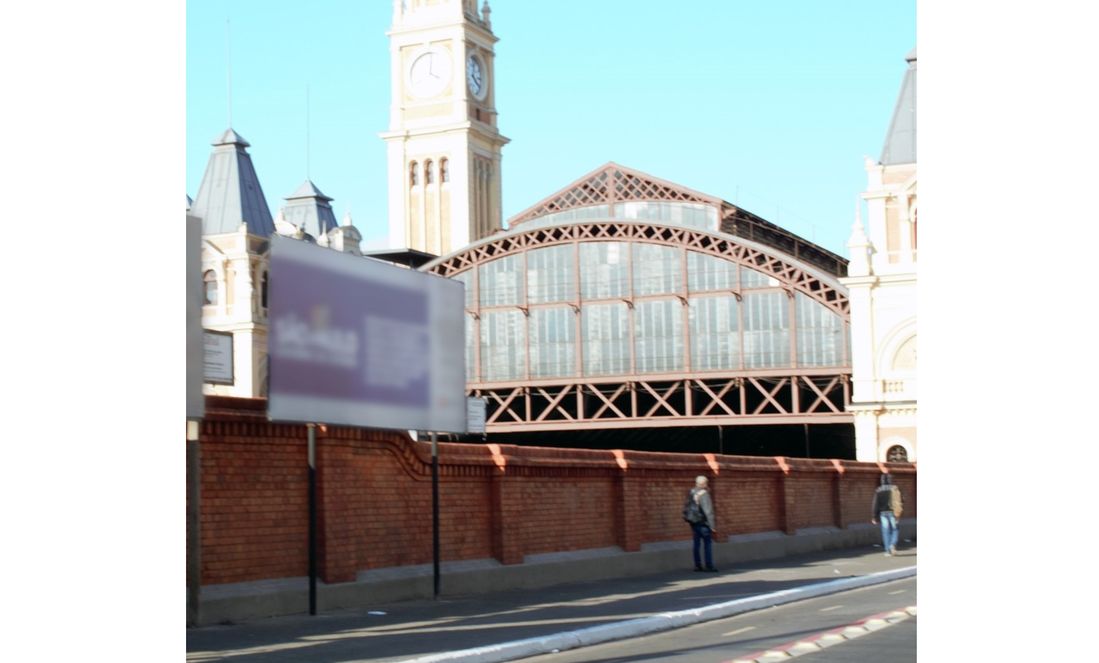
(899, 591)
(831, 607)
(739, 630)
(829, 638)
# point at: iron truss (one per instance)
(793, 398)
(755, 396)
(787, 271)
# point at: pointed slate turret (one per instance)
(900, 141)
(230, 193)
(308, 208)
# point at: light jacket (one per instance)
(702, 496)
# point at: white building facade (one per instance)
(882, 289)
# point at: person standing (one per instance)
(887, 508)
(703, 523)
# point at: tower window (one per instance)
(429, 172)
(413, 174)
(263, 292)
(210, 287)
(896, 454)
(444, 170)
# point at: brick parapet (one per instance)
(500, 501)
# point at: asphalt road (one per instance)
(752, 634)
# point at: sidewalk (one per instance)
(552, 618)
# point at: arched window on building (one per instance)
(210, 287)
(444, 170)
(263, 292)
(429, 172)
(413, 174)
(896, 454)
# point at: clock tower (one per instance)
(443, 145)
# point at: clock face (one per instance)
(429, 74)
(475, 76)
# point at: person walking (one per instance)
(699, 512)
(887, 508)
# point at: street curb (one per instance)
(507, 651)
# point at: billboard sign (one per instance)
(357, 341)
(218, 356)
(475, 414)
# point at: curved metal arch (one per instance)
(787, 270)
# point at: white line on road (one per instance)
(899, 591)
(831, 607)
(739, 630)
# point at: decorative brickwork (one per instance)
(502, 502)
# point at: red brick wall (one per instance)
(374, 497)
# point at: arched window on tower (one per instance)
(210, 287)
(263, 292)
(429, 172)
(915, 215)
(413, 174)
(896, 454)
(444, 170)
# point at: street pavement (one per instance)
(516, 624)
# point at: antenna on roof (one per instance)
(307, 132)
(229, 72)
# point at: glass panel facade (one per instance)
(658, 335)
(750, 278)
(821, 339)
(605, 331)
(471, 340)
(570, 215)
(766, 330)
(710, 273)
(503, 345)
(551, 274)
(715, 333)
(552, 342)
(467, 279)
(604, 270)
(656, 269)
(502, 282)
(613, 338)
(690, 215)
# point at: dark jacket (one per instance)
(887, 498)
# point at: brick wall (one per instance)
(501, 501)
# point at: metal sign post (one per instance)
(312, 428)
(435, 509)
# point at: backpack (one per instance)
(692, 512)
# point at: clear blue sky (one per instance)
(771, 105)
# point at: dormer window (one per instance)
(209, 288)
(429, 172)
(413, 174)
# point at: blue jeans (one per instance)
(702, 533)
(889, 532)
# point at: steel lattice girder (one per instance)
(765, 398)
(730, 248)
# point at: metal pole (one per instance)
(435, 510)
(194, 527)
(312, 428)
